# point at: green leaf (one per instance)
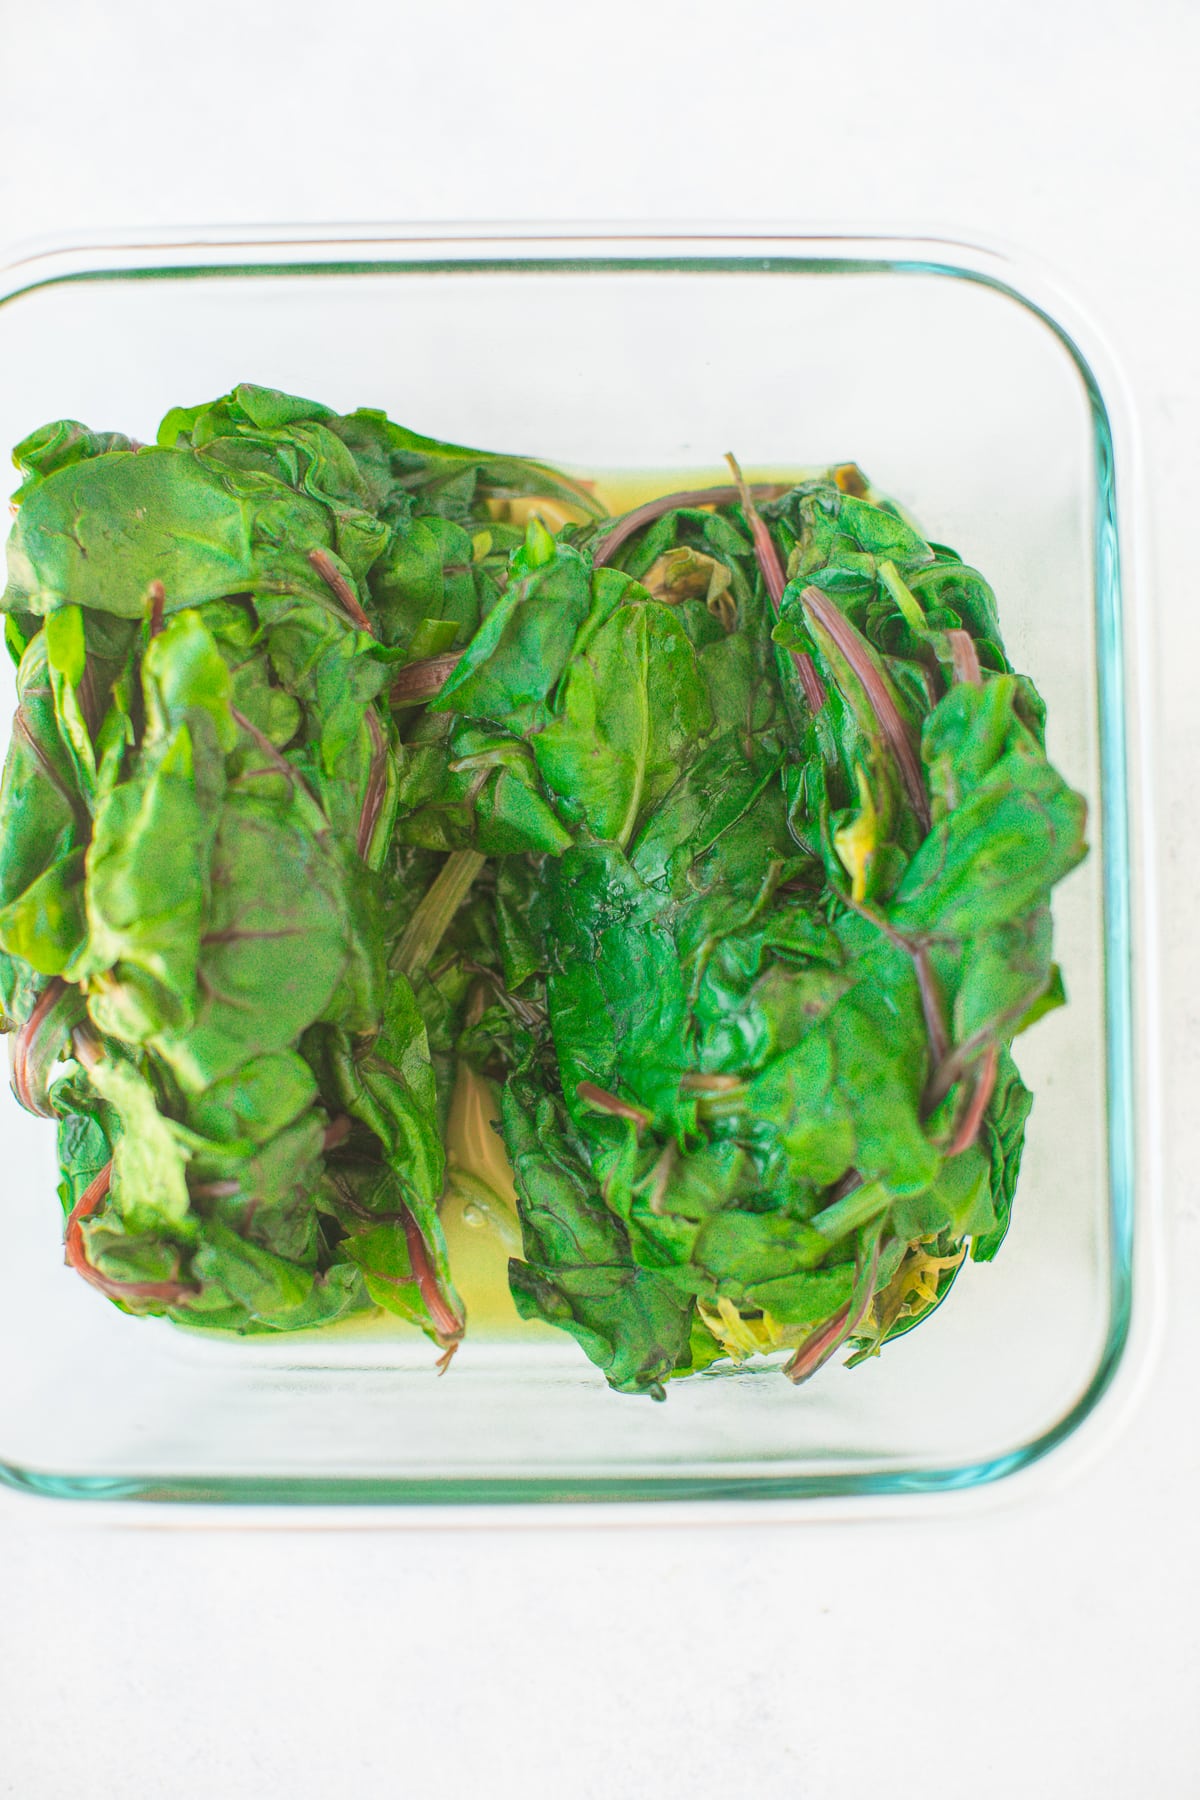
(1006, 974)
(806, 1298)
(400, 1285)
(1004, 1136)
(274, 945)
(336, 1293)
(432, 637)
(146, 878)
(259, 1099)
(578, 1271)
(427, 465)
(59, 444)
(97, 533)
(46, 925)
(390, 1086)
(41, 807)
(632, 1324)
(633, 711)
(66, 660)
(265, 1284)
(997, 855)
(513, 818)
(425, 578)
(617, 993)
(149, 1184)
(522, 647)
(184, 674)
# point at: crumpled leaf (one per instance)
(578, 1271)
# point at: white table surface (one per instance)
(1044, 1645)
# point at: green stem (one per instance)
(904, 597)
(427, 927)
(853, 1210)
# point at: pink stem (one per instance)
(23, 1049)
(336, 1132)
(423, 680)
(337, 584)
(775, 580)
(158, 603)
(810, 681)
(931, 1004)
(972, 1118)
(606, 547)
(76, 1251)
(446, 1321)
(765, 553)
(863, 661)
(603, 1101)
(823, 1343)
(376, 785)
(965, 658)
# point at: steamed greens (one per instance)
(361, 785)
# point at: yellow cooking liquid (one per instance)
(479, 1212)
(620, 490)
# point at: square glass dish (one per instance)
(953, 380)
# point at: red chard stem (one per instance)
(765, 553)
(376, 785)
(158, 605)
(448, 1324)
(340, 588)
(23, 1048)
(972, 1119)
(336, 1132)
(611, 541)
(931, 1004)
(965, 658)
(424, 680)
(602, 1101)
(92, 1197)
(873, 678)
(823, 1343)
(810, 681)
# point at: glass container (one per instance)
(969, 391)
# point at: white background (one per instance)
(1042, 1646)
